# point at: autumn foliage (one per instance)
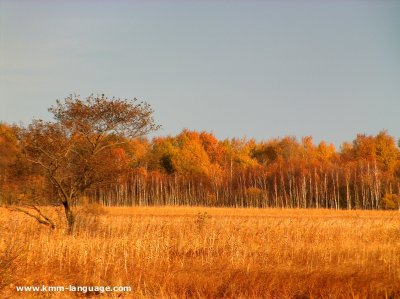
(77, 174)
(195, 168)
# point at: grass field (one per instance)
(182, 252)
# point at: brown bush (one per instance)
(391, 202)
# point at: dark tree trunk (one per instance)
(70, 217)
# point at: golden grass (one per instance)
(181, 252)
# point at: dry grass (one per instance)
(171, 252)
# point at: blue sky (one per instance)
(261, 69)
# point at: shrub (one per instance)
(391, 202)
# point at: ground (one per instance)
(197, 252)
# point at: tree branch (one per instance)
(41, 218)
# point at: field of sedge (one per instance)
(198, 252)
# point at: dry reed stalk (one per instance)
(175, 252)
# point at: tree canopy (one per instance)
(80, 148)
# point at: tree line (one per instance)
(96, 150)
(195, 168)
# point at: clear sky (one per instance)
(261, 69)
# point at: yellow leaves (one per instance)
(191, 156)
(8, 145)
(185, 153)
(386, 150)
(380, 148)
(142, 171)
(325, 151)
(238, 153)
(139, 149)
